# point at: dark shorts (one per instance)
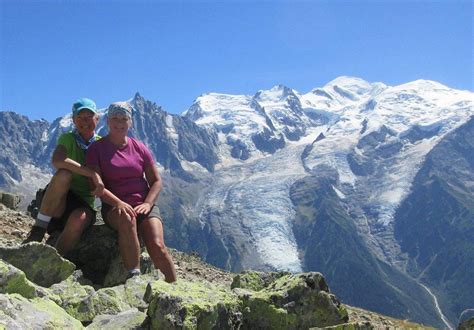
(73, 202)
(154, 212)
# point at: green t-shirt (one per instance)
(80, 184)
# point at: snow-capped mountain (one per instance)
(283, 180)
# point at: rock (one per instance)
(72, 297)
(97, 255)
(85, 303)
(117, 273)
(192, 305)
(293, 302)
(355, 326)
(466, 325)
(131, 319)
(13, 280)
(10, 200)
(40, 263)
(255, 281)
(95, 252)
(18, 312)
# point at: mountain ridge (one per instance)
(229, 166)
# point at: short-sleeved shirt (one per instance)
(80, 184)
(122, 169)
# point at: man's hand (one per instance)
(144, 208)
(98, 185)
(127, 208)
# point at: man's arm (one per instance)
(61, 161)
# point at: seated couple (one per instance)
(123, 174)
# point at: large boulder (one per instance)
(186, 305)
(95, 253)
(40, 263)
(292, 302)
(18, 312)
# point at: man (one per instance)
(68, 203)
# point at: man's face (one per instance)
(86, 122)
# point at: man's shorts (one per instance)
(73, 202)
(154, 212)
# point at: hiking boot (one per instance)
(36, 234)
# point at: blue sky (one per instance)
(53, 52)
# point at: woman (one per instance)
(129, 196)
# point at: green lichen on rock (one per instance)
(131, 319)
(192, 305)
(35, 313)
(40, 263)
(293, 302)
(84, 303)
(255, 281)
(250, 280)
(135, 289)
(72, 297)
(13, 280)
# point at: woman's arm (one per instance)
(109, 198)
(154, 180)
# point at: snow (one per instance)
(259, 187)
(170, 129)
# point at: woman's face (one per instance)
(119, 124)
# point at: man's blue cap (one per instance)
(83, 103)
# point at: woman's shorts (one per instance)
(154, 212)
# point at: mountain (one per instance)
(435, 223)
(22, 159)
(342, 179)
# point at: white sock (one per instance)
(42, 220)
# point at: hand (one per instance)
(144, 208)
(127, 208)
(98, 184)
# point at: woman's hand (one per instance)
(144, 208)
(127, 208)
(98, 185)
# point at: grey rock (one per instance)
(10, 200)
(18, 312)
(130, 319)
(41, 263)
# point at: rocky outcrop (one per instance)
(10, 200)
(51, 293)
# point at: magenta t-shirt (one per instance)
(122, 169)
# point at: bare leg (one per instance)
(78, 220)
(151, 230)
(54, 199)
(52, 205)
(128, 238)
